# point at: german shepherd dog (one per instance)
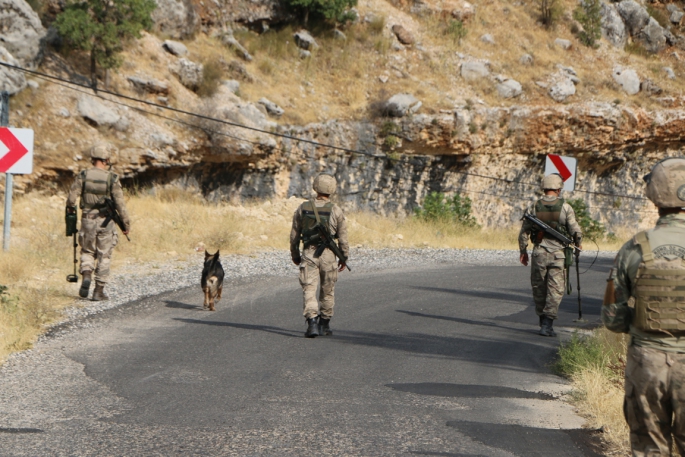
(212, 280)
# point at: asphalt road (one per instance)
(437, 360)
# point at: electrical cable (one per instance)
(596, 257)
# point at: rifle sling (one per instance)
(316, 211)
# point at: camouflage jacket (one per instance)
(117, 195)
(567, 219)
(666, 238)
(337, 224)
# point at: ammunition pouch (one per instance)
(70, 220)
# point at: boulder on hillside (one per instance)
(650, 87)
(12, 81)
(176, 18)
(400, 105)
(613, 27)
(304, 40)
(271, 107)
(526, 59)
(627, 78)
(189, 73)
(464, 11)
(676, 17)
(487, 38)
(670, 74)
(634, 15)
(562, 89)
(653, 36)
(232, 85)
(563, 44)
(175, 48)
(96, 113)
(21, 32)
(402, 34)
(149, 85)
(509, 88)
(474, 70)
(230, 41)
(338, 35)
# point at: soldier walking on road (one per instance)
(320, 270)
(547, 270)
(650, 270)
(93, 186)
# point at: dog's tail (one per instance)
(212, 282)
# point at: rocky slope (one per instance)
(491, 110)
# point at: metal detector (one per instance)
(74, 277)
(580, 303)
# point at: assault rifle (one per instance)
(568, 243)
(327, 242)
(113, 215)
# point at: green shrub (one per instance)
(588, 13)
(592, 229)
(455, 30)
(211, 78)
(337, 11)
(437, 207)
(659, 16)
(550, 12)
(377, 25)
(600, 350)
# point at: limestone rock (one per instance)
(627, 78)
(613, 27)
(21, 32)
(188, 72)
(271, 107)
(653, 36)
(338, 35)
(400, 105)
(562, 89)
(634, 15)
(304, 40)
(487, 38)
(149, 85)
(474, 70)
(526, 59)
(563, 44)
(509, 88)
(402, 34)
(670, 74)
(232, 85)
(230, 41)
(676, 17)
(237, 70)
(176, 18)
(305, 54)
(650, 87)
(12, 81)
(95, 112)
(464, 11)
(175, 48)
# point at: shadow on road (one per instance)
(179, 305)
(442, 389)
(462, 320)
(261, 328)
(521, 298)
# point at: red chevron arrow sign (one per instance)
(565, 167)
(16, 151)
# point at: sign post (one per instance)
(565, 167)
(16, 157)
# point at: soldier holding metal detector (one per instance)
(551, 225)
(317, 223)
(102, 205)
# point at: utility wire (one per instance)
(63, 82)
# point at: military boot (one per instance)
(542, 318)
(324, 327)
(312, 327)
(99, 293)
(85, 284)
(546, 329)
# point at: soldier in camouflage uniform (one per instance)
(645, 297)
(97, 242)
(547, 271)
(322, 270)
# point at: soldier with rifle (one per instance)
(101, 200)
(317, 223)
(551, 256)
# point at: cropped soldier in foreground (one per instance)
(645, 297)
(313, 221)
(549, 254)
(98, 235)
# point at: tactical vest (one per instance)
(659, 291)
(549, 212)
(97, 185)
(310, 237)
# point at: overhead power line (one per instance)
(79, 88)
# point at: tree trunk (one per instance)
(93, 71)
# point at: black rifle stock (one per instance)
(113, 215)
(568, 242)
(328, 242)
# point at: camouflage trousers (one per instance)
(318, 273)
(654, 405)
(548, 280)
(97, 244)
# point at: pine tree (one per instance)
(589, 14)
(331, 10)
(102, 26)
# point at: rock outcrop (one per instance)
(176, 18)
(21, 32)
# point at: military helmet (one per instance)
(325, 184)
(552, 181)
(100, 151)
(666, 183)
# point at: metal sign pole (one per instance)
(4, 122)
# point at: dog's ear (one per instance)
(207, 255)
(216, 256)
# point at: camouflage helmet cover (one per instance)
(552, 181)
(325, 184)
(101, 151)
(666, 183)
